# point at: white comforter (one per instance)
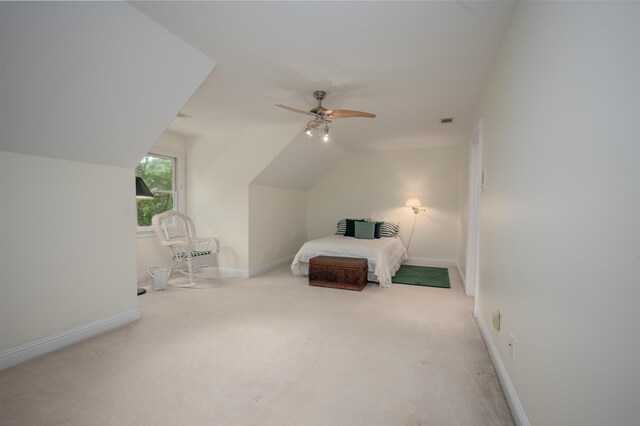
(384, 255)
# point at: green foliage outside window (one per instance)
(157, 173)
(150, 207)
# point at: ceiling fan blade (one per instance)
(288, 108)
(347, 113)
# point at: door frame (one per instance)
(476, 185)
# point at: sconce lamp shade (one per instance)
(415, 205)
(413, 202)
(142, 190)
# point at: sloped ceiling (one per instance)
(96, 82)
(300, 164)
(411, 63)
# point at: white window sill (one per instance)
(145, 233)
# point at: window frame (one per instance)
(178, 186)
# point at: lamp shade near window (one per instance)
(142, 190)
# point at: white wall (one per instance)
(378, 183)
(559, 227)
(96, 83)
(221, 167)
(149, 252)
(277, 226)
(67, 252)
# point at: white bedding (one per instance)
(384, 255)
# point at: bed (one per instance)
(384, 255)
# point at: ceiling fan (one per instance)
(322, 116)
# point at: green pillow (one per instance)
(365, 230)
(349, 230)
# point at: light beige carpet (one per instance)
(271, 351)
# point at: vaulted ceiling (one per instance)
(80, 80)
(411, 63)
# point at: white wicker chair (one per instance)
(176, 231)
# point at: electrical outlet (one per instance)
(495, 320)
(512, 345)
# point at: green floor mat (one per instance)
(422, 275)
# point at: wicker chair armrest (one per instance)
(211, 243)
(174, 243)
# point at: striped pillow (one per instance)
(389, 230)
(341, 227)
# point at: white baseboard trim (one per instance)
(143, 279)
(269, 266)
(517, 411)
(233, 273)
(35, 348)
(424, 261)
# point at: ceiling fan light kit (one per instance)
(322, 116)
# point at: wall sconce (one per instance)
(415, 204)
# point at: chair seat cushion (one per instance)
(194, 253)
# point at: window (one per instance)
(159, 170)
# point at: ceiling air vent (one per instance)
(446, 120)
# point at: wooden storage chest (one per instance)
(347, 273)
